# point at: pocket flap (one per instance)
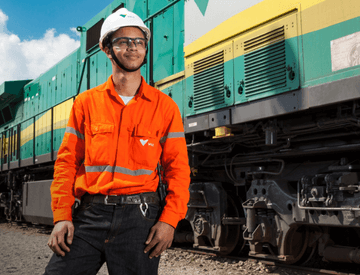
(144, 131)
(98, 128)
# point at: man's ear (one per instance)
(101, 46)
(106, 50)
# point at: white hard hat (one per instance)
(122, 18)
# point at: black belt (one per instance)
(149, 198)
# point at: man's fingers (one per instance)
(165, 246)
(57, 242)
(160, 247)
(53, 244)
(159, 239)
(155, 251)
(62, 244)
(150, 237)
(58, 250)
(70, 234)
(150, 246)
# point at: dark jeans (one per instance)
(112, 234)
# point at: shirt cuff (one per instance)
(62, 214)
(169, 217)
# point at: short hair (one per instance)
(107, 40)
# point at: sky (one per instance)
(35, 35)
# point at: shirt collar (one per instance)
(143, 92)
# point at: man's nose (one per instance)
(132, 45)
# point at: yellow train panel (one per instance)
(269, 10)
(227, 48)
(62, 113)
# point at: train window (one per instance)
(119, 7)
(5, 147)
(2, 121)
(14, 140)
(10, 149)
(18, 143)
(11, 138)
(93, 35)
(7, 114)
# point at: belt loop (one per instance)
(142, 198)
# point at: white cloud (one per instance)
(28, 59)
(3, 19)
(75, 31)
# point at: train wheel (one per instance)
(297, 244)
(233, 233)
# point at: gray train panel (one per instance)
(316, 96)
(37, 202)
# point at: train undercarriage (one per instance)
(284, 188)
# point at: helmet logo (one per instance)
(123, 15)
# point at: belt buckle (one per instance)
(106, 200)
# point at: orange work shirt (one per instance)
(113, 149)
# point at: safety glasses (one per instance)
(122, 43)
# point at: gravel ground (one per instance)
(24, 251)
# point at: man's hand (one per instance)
(160, 238)
(56, 241)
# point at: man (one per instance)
(116, 135)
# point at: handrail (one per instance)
(82, 75)
(321, 208)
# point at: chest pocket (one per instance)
(145, 146)
(99, 143)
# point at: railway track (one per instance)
(248, 265)
(271, 266)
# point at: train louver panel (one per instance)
(265, 62)
(209, 81)
(93, 35)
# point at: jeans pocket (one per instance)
(151, 213)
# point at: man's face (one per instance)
(130, 55)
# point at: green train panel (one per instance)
(319, 49)
(168, 36)
(268, 61)
(52, 87)
(209, 81)
(174, 87)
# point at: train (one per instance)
(269, 94)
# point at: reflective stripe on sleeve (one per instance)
(117, 169)
(172, 135)
(71, 130)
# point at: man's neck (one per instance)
(127, 84)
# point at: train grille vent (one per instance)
(265, 62)
(209, 81)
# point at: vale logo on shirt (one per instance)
(143, 141)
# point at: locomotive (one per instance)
(270, 98)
